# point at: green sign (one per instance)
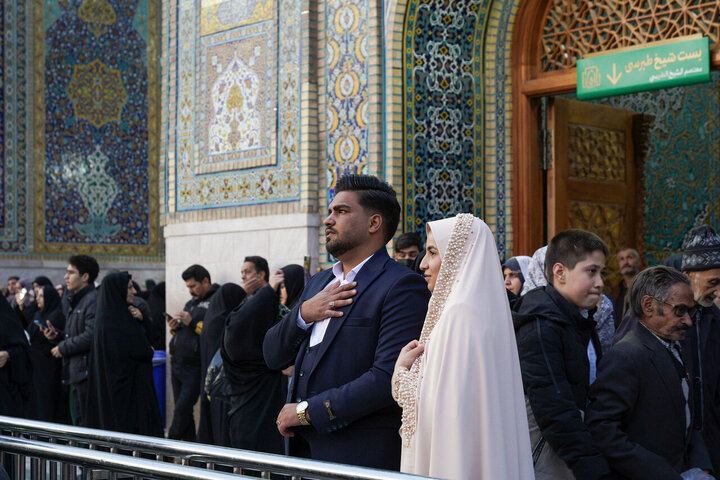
(654, 65)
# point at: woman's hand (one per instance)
(276, 279)
(408, 354)
(49, 332)
(136, 313)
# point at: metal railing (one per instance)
(54, 461)
(55, 449)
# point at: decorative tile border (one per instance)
(219, 15)
(347, 88)
(498, 114)
(15, 232)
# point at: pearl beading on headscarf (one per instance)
(405, 386)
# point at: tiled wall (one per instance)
(81, 106)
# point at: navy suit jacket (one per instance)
(354, 417)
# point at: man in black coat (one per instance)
(75, 342)
(185, 327)
(640, 405)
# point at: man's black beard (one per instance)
(339, 247)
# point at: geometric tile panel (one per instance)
(226, 151)
(95, 127)
(443, 110)
(237, 99)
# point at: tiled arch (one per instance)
(491, 92)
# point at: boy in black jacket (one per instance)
(559, 351)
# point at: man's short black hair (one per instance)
(196, 272)
(261, 265)
(85, 264)
(376, 196)
(570, 247)
(17, 279)
(407, 240)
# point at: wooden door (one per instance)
(592, 181)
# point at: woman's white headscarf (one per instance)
(536, 271)
(463, 404)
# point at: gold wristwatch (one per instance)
(301, 410)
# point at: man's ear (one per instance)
(647, 304)
(85, 277)
(559, 272)
(375, 223)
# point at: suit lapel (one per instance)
(660, 358)
(367, 275)
(324, 277)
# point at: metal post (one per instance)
(34, 462)
(53, 465)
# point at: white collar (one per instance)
(338, 271)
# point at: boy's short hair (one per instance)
(196, 272)
(407, 240)
(570, 247)
(85, 264)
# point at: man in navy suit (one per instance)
(345, 333)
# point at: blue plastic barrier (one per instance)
(159, 360)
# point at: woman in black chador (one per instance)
(257, 392)
(51, 400)
(214, 428)
(121, 393)
(15, 365)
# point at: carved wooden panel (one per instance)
(606, 221)
(574, 28)
(596, 154)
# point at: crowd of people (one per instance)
(442, 361)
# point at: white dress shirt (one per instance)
(319, 328)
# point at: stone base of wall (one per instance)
(221, 245)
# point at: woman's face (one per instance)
(283, 294)
(431, 262)
(512, 281)
(130, 293)
(40, 298)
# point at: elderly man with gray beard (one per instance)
(701, 263)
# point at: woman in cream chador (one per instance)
(460, 386)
